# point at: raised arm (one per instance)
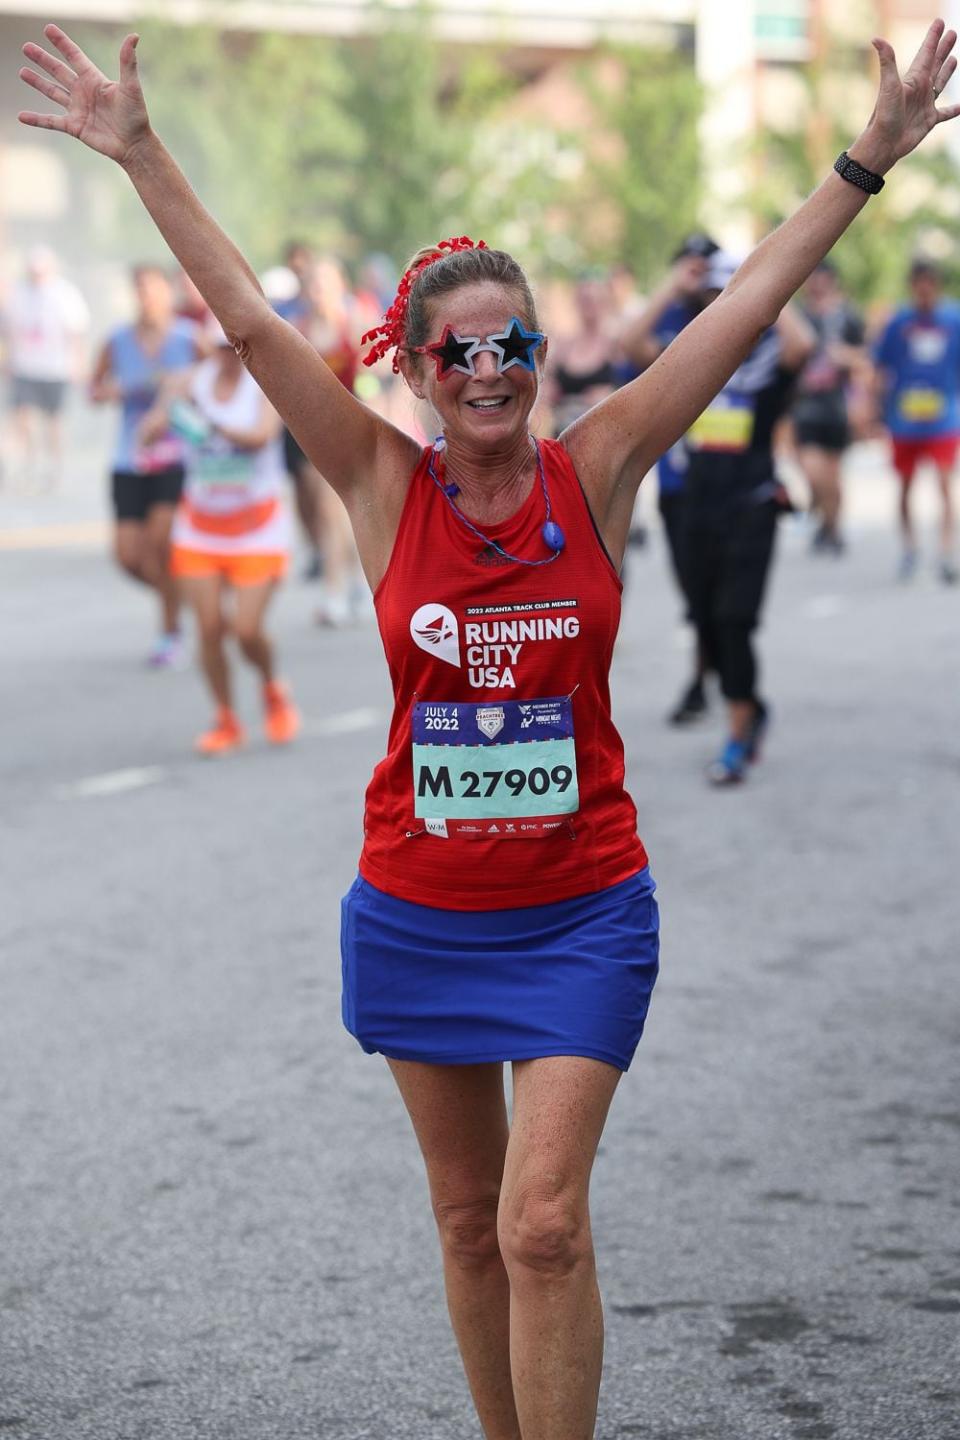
(615, 444)
(356, 450)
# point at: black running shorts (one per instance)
(135, 495)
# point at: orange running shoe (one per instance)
(225, 735)
(282, 719)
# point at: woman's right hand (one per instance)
(109, 116)
(154, 425)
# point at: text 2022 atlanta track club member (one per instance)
(542, 949)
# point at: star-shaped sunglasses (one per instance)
(455, 353)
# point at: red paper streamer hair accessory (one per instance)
(394, 322)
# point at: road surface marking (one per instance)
(83, 534)
(114, 782)
(351, 720)
(117, 782)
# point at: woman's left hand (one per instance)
(906, 109)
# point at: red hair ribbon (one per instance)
(394, 322)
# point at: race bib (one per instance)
(726, 425)
(507, 770)
(921, 405)
(223, 469)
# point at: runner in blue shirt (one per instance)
(918, 359)
(147, 478)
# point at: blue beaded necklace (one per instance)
(553, 536)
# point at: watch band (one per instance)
(848, 169)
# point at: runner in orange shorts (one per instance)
(231, 533)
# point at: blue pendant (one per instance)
(553, 535)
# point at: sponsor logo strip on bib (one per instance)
(504, 770)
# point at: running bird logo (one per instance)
(434, 628)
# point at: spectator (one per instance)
(45, 323)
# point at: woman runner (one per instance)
(147, 478)
(504, 909)
(582, 370)
(820, 421)
(231, 532)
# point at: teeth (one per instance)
(488, 404)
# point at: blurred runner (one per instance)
(918, 356)
(821, 426)
(733, 502)
(189, 303)
(147, 477)
(44, 325)
(582, 371)
(290, 301)
(299, 259)
(231, 531)
(328, 323)
(670, 309)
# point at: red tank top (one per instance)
(503, 780)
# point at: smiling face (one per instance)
(490, 409)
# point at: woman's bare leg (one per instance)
(248, 626)
(459, 1115)
(556, 1318)
(204, 595)
(822, 470)
(945, 476)
(341, 567)
(156, 563)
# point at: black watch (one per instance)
(848, 169)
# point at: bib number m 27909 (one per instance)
(507, 769)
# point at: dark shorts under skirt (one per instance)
(454, 987)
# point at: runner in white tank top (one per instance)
(231, 533)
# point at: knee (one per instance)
(129, 558)
(545, 1233)
(468, 1231)
(249, 637)
(211, 631)
(157, 553)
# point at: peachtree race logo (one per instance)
(434, 628)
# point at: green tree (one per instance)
(917, 213)
(257, 123)
(643, 159)
(408, 185)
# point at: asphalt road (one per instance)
(213, 1219)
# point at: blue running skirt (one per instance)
(455, 987)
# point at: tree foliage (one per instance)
(256, 122)
(916, 214)
(643, 160)
(388, 140)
